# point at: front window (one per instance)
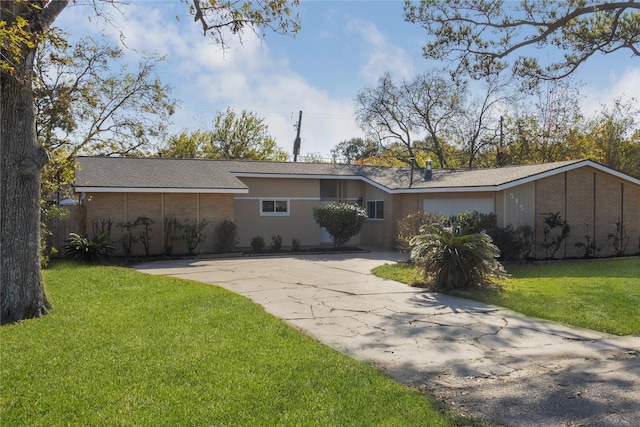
(375, 209)
(274, 207)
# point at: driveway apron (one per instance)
(481, 360)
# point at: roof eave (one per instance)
(79, 189)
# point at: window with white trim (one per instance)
(274, 207)
(375, 209)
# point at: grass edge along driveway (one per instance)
(124, 348)
(597, 294)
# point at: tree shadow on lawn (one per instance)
(487, 362)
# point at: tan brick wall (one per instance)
(600, 210)
(580, 208)
(215, 208)
(550, 197)
(631, 218)
(127, 207)
(608, 210)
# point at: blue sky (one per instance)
(343, 46)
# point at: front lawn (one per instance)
(598, 294)
(124, 348)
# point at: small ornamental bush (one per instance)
(409, 226)
(451, 259)
(276, 242)
(342, 221)
(226, 233)
(257, 243)
(295, 245)
(193, 233)
(171, 228)
(91, 251)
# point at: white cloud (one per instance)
(246, 76)
(383, 56)
(621, 85)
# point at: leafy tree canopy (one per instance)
(242, 136)
(482, 36)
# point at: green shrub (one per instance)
(95, 250)
(474, 222)
(409, 227)
(553, 238)
(171, 228)
(226, 233)
(276, 242)
(144, 236)
(451, 259)
(295, 245)
(128, 237)
(342, 221)
(192, 233)
(619, 238)
(257, 243)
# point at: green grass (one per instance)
(123, 348)
(599, 294)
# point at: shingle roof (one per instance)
(153, 173)
(161, 174)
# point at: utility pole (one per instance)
(296, 142)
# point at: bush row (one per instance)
(515, 243)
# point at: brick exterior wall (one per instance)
(550, 197)
(580, 212)
(631, 217)
(595, 202)
(126, 207)
(608, 211)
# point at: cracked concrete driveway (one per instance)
(480, 360)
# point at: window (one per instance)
(375, 209)
(274, 207)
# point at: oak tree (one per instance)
(24, 25)
(485, 37)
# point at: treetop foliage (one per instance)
(480, 36)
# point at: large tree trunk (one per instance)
(21, 291)
(21, 159)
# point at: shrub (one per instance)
(295, 245)
(102, 225)
(553, 238)
(171, 227)
(619, 238)
(474, 222)
(144, 236)
(84, 249)
(451, 259)
(276, 242)
(193, 233)
(342, 221)
(589, 245)
(257, 243)
(409, 227)
(128, 236)
(226, 233)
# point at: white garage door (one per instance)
(449, 207)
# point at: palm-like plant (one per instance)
(450, 258)
(95, 250)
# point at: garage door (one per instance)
(449, 207)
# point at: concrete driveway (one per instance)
(480, 360)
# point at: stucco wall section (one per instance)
(282, 187)
(299, 224)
